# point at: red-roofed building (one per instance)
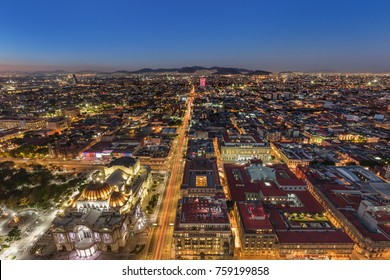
(273, 200)
(202, 229)
(330, 244)
(256, 233)
(291, 184)
(256, 181)
(353, 204)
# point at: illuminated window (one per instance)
(201, 181)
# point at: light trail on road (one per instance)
(170, 200)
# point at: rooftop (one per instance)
(201, 167)
(329, 236)
(202, 210)
(259, 172)
(256, 178)
(253, 216)
(200, 147)
(242, 140)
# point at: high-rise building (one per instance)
(202, 81)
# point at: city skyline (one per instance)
(282, 36)
(195, 130)
(202, 165)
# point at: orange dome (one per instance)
(97, 191)
(117, 199)
(73, 202)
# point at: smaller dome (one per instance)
(117, 199)
(97, 191)
(73, 202)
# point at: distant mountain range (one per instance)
(193, 69)
(189, 69)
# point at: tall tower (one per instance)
(202, 81)
(75, 79)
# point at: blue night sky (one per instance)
(132, 34)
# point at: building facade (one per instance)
(103, 216)
(340, 190)
(291, 154)
(202, 229)
(241, 148)
(28, 124)
(257, 237)
(277, 217)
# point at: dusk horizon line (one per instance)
(113, 69)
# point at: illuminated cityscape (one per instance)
(164, 166)
(195, 130)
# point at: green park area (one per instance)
(34, 186)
